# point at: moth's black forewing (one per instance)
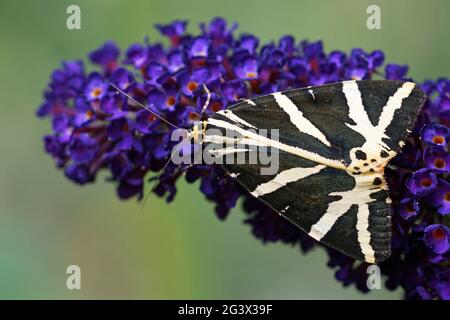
(334, 127)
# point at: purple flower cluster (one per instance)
(95, 128)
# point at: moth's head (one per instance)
(197, 133)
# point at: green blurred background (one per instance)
(179, 250)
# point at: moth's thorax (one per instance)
(369, 159)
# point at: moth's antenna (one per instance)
(143, 106)
(175, 150)
(208, 98)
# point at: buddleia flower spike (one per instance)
(94, 128)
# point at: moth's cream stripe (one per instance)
(326, 222)
(373, 134)
(362, 225)
(225, 151)
(232, 141)
(230, 115)
(249, 101)
(394, 103)
(297, 118)
(283, 178)
(281, 146)
(357, 112)
(359, 195)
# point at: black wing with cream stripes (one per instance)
(334, 142)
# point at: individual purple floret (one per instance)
(422, 182)
(436, 237)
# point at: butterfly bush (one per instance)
(95, 128)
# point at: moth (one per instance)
(334, 142)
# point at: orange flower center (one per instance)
(170, 101)
(97, 92)
(438, 234)
(447, 196)
(192, 85)
(409, 207)
(438, 139)
(194, 116)
(89, 114)
(439, 163)
(250, 75)
(426, 182)
(216, 106)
